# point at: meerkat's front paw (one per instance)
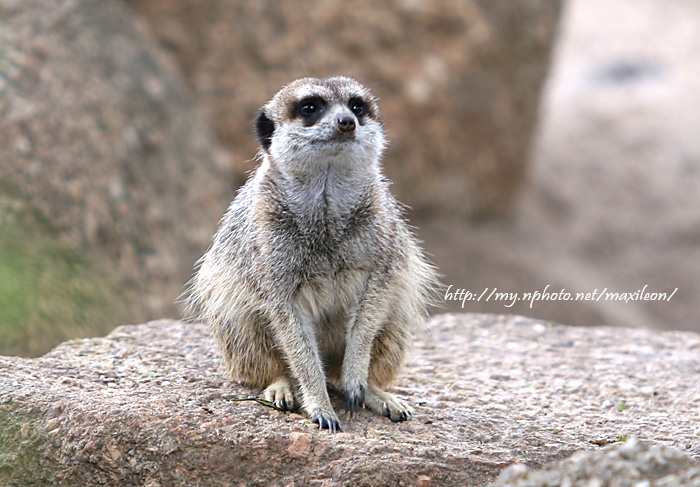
(326, 419)
(386, 404)
(281, 394)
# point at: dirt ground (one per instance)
(613, 200)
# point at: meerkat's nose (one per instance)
(346, 123)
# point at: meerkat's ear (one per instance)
(264, 128)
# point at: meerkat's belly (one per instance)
(326, 305)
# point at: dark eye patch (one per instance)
(310, 110)
(358, 107)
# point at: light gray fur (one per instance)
(313, 275)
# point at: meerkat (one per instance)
(314, 276)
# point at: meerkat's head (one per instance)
(313, 121)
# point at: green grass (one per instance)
(49, 291)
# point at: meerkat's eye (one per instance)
(310, 109)
(358, 107)
(309, 106)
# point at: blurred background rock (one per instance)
(458, 80)
(126, 126)
(110, 183)
(612, 198)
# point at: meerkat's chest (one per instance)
(320, 239)
(327, 203)
(326, 300)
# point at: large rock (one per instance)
(110, 185)
(147, 406)
(632, 464)
(459, 82)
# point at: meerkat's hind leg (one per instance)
(387, 404)
(281, 393)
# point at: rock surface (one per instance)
(102, 158)
(632, 464)
(459, 82)
(147, 406)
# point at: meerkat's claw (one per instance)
(396, 416)
(281, 394)
(402, 416)
(355, 400)
(386, 411)
(333, 425)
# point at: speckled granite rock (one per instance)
(631, 464)
(459, 82)
(147, 406)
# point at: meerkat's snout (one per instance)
(346, 124)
